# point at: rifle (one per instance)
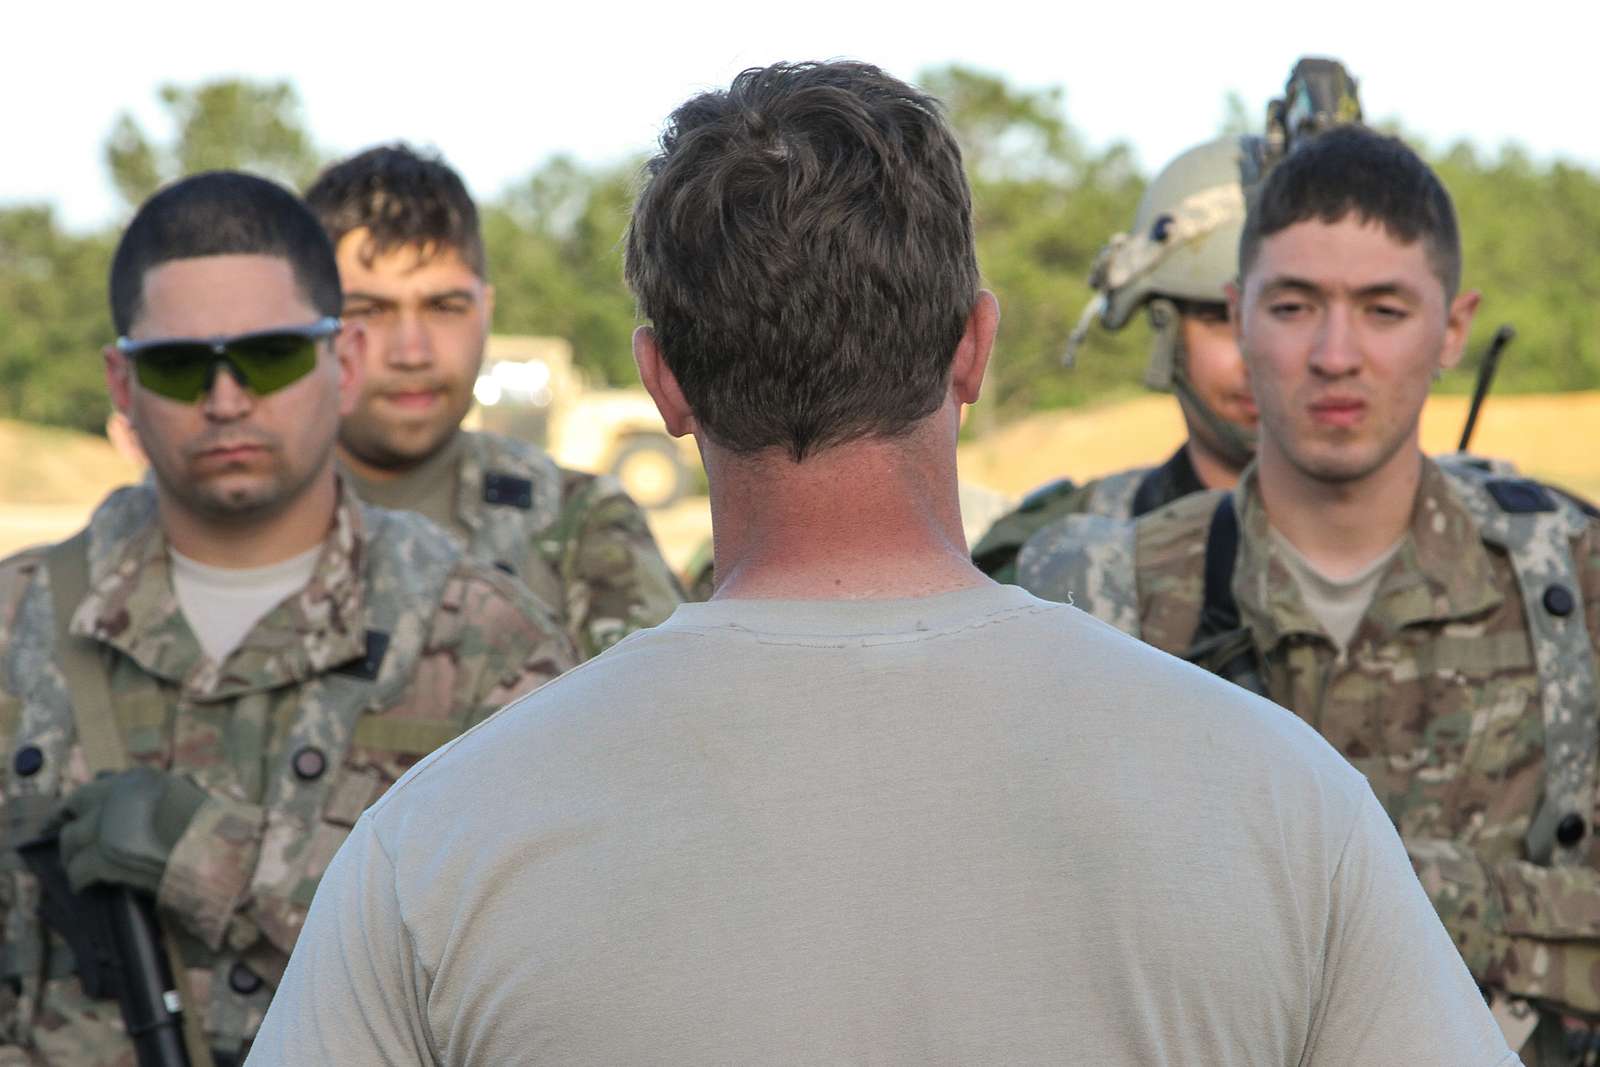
(1486, 372)
(116, 945)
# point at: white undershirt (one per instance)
(223, 603)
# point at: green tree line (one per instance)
(1045, 202)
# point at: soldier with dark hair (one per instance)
(412, 263)
(800, 822)
(1436, 622)
(1175, 264)
(201, 691)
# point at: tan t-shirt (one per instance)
(971, 828)
(223, 604)
(1339, 604)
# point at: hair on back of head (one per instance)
(803, 247)
(1356, 170)
(402, 198)
(221, 213)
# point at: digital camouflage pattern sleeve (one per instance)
(1531, 930)
(995, 554)
(614, 578)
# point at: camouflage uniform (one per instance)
(577, 540)
(306, 722)
(1438, 700)
(1124, 495)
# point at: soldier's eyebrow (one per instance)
(459, 293)
(1289, 283)
(1282, 283)
(370, 298)
(1396, 289)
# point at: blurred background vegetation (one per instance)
(1045, 202)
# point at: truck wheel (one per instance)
(650, 471)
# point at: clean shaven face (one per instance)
(1343, 329)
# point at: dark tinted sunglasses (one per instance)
(183, 368)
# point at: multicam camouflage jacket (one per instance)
(1124, 495)
(395, 645)
(1438, 699)
(577, 540)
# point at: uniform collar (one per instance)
(412, 489)
(132, 607)
(1441, 572)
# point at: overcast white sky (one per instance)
(500, 88)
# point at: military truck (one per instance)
(529, 389)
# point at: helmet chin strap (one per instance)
(1169, 369)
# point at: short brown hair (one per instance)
(803, 246)
(403, 198)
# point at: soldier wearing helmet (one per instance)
(1174, 264)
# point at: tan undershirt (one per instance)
(429, 488)
(1337, 603)
(222, 604)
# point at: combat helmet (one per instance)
(1183, 248)
(1184, 244)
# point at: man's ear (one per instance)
(119, 378)
(1235, 306)
(1458, 323)
(661, 383)
(350, 356)
(974, 348)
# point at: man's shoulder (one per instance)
(996, 551)
(125, 513)
(1172, 712)
(18, 574)
(1173, 538)
(495, 449)
(408, 555)
(575, 491)
(1049, 508)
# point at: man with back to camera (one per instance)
(1438, 626)
(796, 823)
(248, 653)
(412, 262)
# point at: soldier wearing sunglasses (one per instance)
(412, 263)
(201, 691)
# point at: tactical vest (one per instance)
(406, 563)
(1535, 528)
(1113, 494)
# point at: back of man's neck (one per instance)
(858, 522)
(1341, 527)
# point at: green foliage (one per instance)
(220, 125)
(1531, 244)
(555, 248)
(54, 321)
(1044, 204)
